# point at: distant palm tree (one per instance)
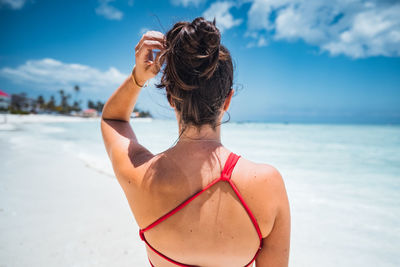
(62, 94)
(99, 106)
(77, 102)
(91, 104)
(77, 90)
(62, 97)
(64, 106)
(51, 104)
(40, 101)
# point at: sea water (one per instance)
(343, 181)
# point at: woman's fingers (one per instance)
(144, 53)
(149, 41)
(150, 35)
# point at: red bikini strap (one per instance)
(253, 219)
(229, 165)
(225, 176)
(162, 255)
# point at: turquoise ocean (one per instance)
(343, 181)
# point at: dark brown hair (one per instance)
(198, 72)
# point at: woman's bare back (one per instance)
(214, 229)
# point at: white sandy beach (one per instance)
(60, 204)
(55, 211)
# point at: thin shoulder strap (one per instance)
(225, 176)
(229, 166)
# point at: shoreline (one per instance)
(42, 118)
(54, 118)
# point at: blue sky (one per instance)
(296, 60)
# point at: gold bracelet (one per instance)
(134, 80)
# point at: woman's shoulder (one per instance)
(259, 173)
(263, 188)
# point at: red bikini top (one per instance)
(226, 177)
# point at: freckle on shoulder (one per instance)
(262, 172)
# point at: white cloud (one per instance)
(224, 19)
(262, 42)
(52, 74)
(108, 11)
(187, 3)
(13, 4)
(355, 28)
(259, 40)
(258, 16)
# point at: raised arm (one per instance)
(122, 146)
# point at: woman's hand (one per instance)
(146, 66)
(120, 105)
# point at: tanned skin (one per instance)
(213, 230)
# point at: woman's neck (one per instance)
(203, 133)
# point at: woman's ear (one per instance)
(228, 100)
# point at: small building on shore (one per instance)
(22, 103)
(89, 113)
(4, 100)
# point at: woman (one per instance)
(197, 203)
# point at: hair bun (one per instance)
(197, 44)
(207, 33)
(207, 45)
(193, 52)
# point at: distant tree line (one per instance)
(22, 104)
(97, 106)
(142, 114)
